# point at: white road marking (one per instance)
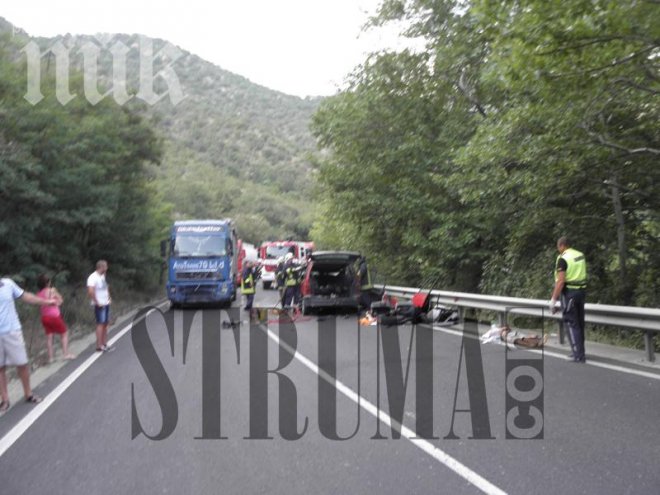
(465, 472)
(22, 426)
(612, 367)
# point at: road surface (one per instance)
(600, 427)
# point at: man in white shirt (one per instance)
(99, 293)
(12, 345)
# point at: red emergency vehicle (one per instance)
(270, 252)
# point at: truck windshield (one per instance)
(199, 246)
(275, 252)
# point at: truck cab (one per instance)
(201, 262)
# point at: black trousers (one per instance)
(249, 299)
(290, 295)
(572, 306)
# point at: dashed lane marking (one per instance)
(439, 455)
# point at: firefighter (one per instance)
(279, 278)
(249, 284)
(291, 281)
(570, 286)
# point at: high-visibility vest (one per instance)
(576, 271)
(291, 277)
(247, 284)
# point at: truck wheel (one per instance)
(267, 285)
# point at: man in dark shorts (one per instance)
(99, 293)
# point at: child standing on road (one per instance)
(51, 317)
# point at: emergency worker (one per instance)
(249, 284)
(279, 278)
(570, 288)
(291, 281)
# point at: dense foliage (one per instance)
(79, 182)
(519, 122)
(74, 187)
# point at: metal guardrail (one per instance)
(635, 318)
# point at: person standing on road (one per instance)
(290, 281)
(570, 286)
(249, 284)
(51, 317)
(12, 344)
(99, 294)
(279, 278)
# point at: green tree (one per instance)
(520, 121)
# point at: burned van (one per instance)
(331, 283)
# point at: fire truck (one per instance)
(270, 252)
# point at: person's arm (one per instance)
(559, 286)
(57, 296)
(30, 298)
(92, 294)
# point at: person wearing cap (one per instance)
(570, 287)
(12, 344)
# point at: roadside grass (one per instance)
(78, 315)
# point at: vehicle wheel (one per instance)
(267, 285)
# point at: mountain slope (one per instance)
(231, 147)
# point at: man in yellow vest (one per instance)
(248, 284)
(290, 282)
(570, 286)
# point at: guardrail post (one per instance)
(648, 343)
(502, 318)
(560, 331)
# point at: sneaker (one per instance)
(107, 348)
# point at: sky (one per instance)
(299, 47)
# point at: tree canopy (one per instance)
(74, 187)
(519, 121)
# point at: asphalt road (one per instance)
(226, 430)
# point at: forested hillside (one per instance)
(82, 181)
(519, 122)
